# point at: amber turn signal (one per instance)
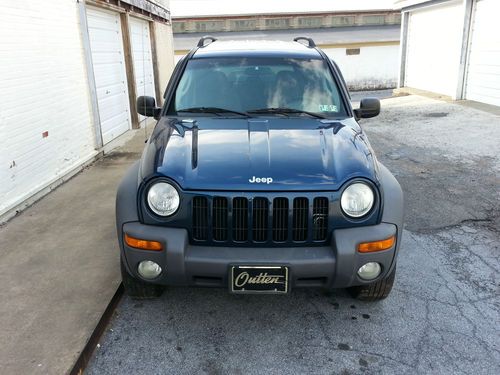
(370, 247)
(142, 244)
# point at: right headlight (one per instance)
(163, 198)
(357, 199)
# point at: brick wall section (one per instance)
(46, 128)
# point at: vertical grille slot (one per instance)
(300, 219)
(280, 219)
(320, 219)
(200, 218)
(219, 219)
(260, 218)
(240, 219)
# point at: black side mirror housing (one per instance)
(146, 106)
(368, 107)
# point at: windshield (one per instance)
(255, 83)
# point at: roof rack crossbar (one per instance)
(309, 40)
(201, 42)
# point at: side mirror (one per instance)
(146, 106)
(368, 107)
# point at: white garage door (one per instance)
(142, 57)
(434, 47)
(108, 62)
(483, 74)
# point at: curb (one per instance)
(86, 354)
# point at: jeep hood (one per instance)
(227, 153)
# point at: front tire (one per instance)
(375, 291)
(138, 289)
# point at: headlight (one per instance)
(357, 199)
(163, 199)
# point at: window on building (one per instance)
(342, 21)
(202, 26)
(179, 27)
(310, 22)
(277, 23)
(352, 51)
(373, 20)
(239, 25)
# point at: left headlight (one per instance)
(163, 199)
(357, 199)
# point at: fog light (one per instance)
(369, 271)
(149, 269)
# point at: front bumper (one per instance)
(333, 266)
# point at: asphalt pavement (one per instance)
(442, 316)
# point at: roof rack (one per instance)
(309, 40)
(201, 42)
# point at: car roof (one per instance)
(256, 48)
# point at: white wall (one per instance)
(375, 67)
(43, 88)
(434, 46)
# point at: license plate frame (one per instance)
(259, 279)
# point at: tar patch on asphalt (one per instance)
(343, 346)
(436, 114)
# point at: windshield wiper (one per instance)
(215, 110)
(285, 111)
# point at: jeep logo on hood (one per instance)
(260, 180)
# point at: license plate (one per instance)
(259, 279)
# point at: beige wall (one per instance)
(165, 54)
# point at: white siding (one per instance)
(43, 88)
(142, 57)
(434, 47)
(483, 75)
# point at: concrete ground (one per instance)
(441, 318)
(60, 268)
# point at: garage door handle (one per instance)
(108, 92)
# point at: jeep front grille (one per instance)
(200, 217)
(280, 219)
(259, 220)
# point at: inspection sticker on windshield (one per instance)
(328, 108)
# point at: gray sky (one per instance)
(184, 8)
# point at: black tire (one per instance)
(138, 289)
(375, 291)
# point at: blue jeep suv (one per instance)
(258, 178)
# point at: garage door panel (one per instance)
(483, 69)
(485, 57)
(142, 58)
(434, 50)
(116, 126)
(485, 79)
(103, 37)
(109, 72)
(108, 91)
(110, 109)
(141, 38)
(102, 58)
